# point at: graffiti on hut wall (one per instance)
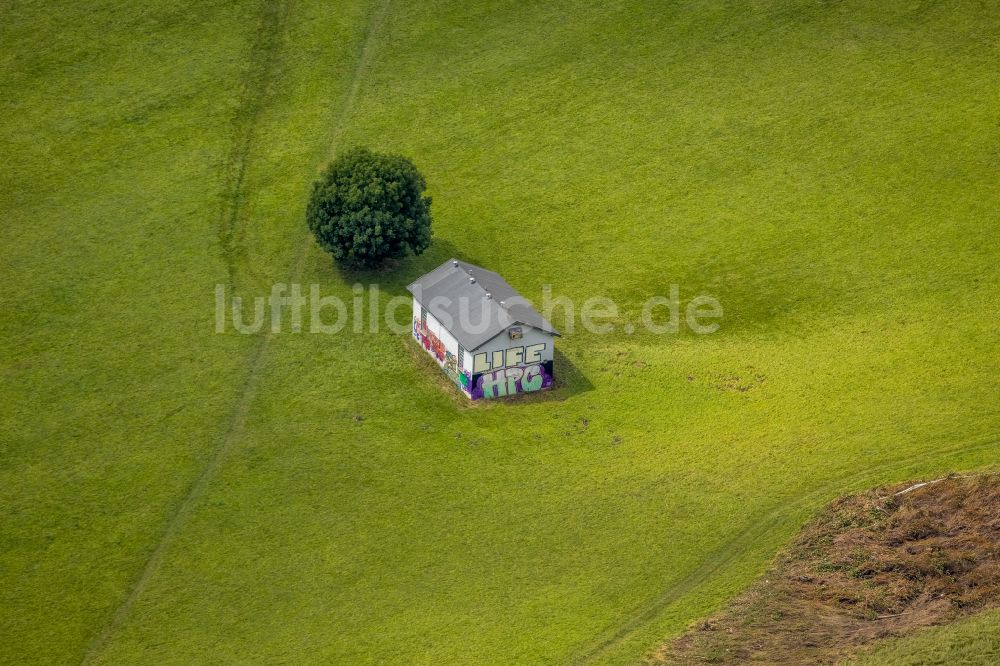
(429, 341)
(510, 371)
(447, 360)
(496, 374)
(507, 358)
(512, 380)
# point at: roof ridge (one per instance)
(472, 278)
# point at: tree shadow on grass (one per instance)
(393, 276)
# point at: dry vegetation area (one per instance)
(874, 565)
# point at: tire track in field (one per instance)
(257, 357)
(731, 550)
(263, 58)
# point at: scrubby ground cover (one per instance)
(827, 171)
(880, 564)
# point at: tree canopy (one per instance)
(369, 207)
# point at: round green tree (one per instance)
(368, 207)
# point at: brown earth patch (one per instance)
(879, 564)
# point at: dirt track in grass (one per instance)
(874, 565)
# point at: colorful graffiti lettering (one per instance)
(511, 381)
(429, 341)
(451, 367)
(506, 358)
(518, 369)
(433, 344)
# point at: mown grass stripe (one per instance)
(262, 62)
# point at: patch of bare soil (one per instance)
(870, 566)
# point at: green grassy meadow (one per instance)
(827, 170)
(971, 641)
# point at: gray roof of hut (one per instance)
(492, 305)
